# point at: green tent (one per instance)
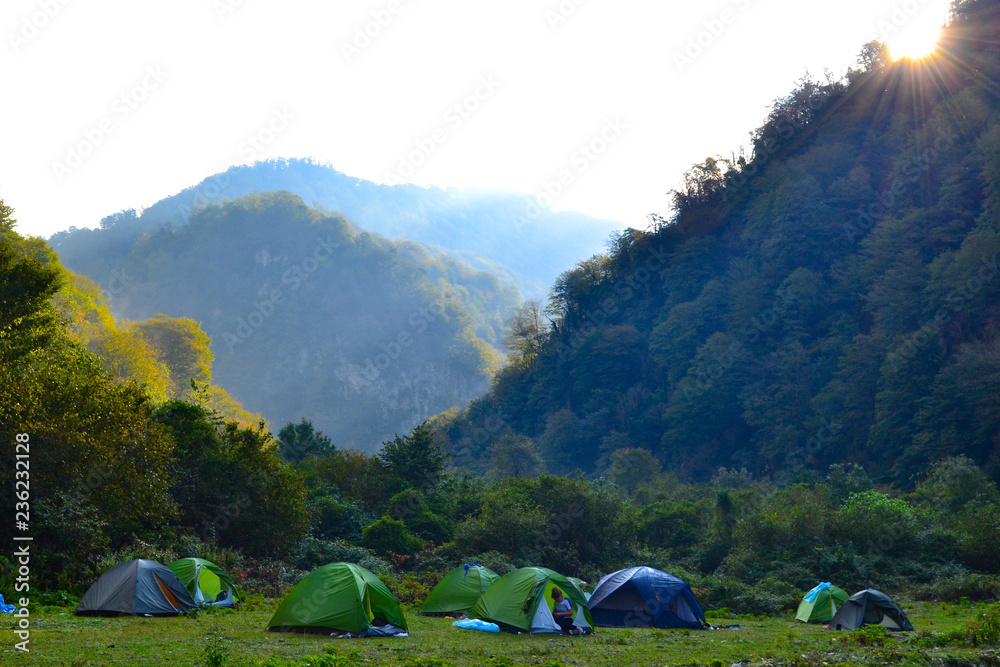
(458, 591)
(337, 597)
(821, 603)
(522, 600)
(206, 581)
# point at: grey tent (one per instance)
(137, 587)
(870, 607)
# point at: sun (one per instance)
(915, 35)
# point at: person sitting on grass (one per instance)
(563, 613)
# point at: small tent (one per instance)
(207, 583)
(458, 591)
(821, 603)
(137, 587)
(339, 597)
(644, 597)
(870, 607)
(522, 600)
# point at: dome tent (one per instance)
(821, 603)
(339, 597)
(644, 597)
(870, 607)
(522, 600)
(206, 581)
(458, 592)
(136, 587)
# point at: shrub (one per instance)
(387, 535)
(311, 553)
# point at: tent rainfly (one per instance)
(870, 607)
(206, 581)
(136, 587)
(820, 604)
(339, 597)
(522, 600)
(645, 597)
(458, 592)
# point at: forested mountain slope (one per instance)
(830, 297)
(309, 316)
(505, 233)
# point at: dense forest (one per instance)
(792, 379)
(310, 316)
(513, 236)
(829, 297)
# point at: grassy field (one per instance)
(237, 638)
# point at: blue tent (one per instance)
(644, 597)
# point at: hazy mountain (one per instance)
(308, 315)
(505, 233)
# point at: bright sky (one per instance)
(113, 104)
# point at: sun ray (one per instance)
(915, 35)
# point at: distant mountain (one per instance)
(830, 298)
(309, 316)
(505, 233)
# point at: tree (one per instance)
(182, 346)
(514, 455)
(874, 56)
(299, 441)
(389, 535)
(417, 460)
(631, 468)
(526, 331)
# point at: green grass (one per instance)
(237, 638)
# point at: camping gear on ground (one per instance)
(821, 603)
(458, 591)
(384, 631)
(339, 597)
(6, 608)
(644, 597)
(137, 587)
(870, 607)
(522, 600)
(207, 583)
(476, 624)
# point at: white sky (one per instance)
(228, 65)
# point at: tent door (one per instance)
(171, 598)
(543, 620)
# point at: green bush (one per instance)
(311, 553)
(389, 535)
(985, 628)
